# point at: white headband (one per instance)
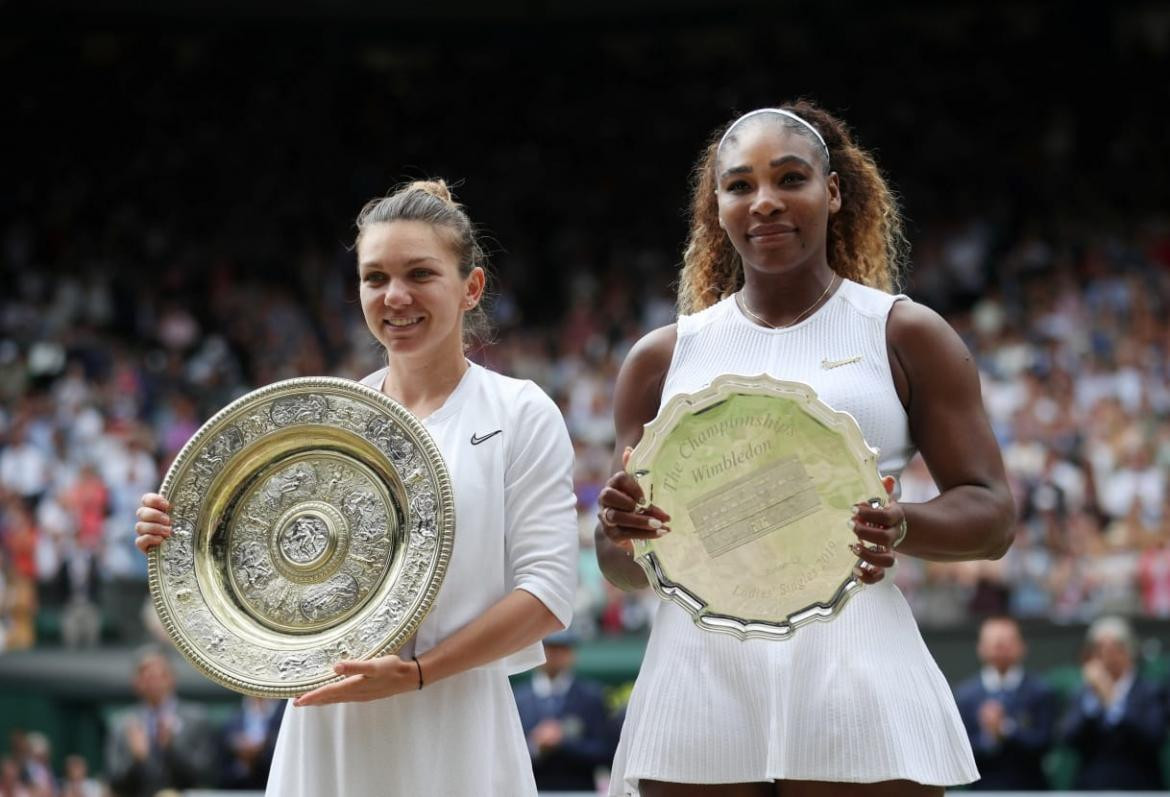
(780, 111)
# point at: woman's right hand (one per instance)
(625, 514)
(154, 524)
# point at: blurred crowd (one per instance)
(153, 271)
(1073, 345)
(1071, 338)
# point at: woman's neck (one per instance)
(423, 387)
(782, 299)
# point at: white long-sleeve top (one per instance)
(515, 528)
(515, 512)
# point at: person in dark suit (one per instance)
(565, 721)
(1010, 715)
(248, 742)
(161, 743)
(1118, 722)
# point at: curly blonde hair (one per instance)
(865, 241)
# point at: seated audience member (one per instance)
(77, 782)
(1009, 713)
(162, 742)
(36, 768)
(11, 784)
(564, 720)
(1118, 722)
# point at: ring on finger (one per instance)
(608, 516)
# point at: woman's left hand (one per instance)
(877, 530)
(371, 679)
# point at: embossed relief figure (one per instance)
(438, 717)
(795, 247)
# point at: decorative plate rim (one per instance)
(439, 479)
(654, 437)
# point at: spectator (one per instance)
(11, 784)
(1117, 724)
(249, 739)
(1009, 714)
(565, 721)
(36, 769)
(77, 782)
(77, 580)
(161, 742)
(25, 468)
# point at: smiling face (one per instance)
(774, 196)
(412, 293)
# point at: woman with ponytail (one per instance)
(438, 718)
(795, 249)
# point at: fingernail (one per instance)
(857, 573)
(853, 510)
(662, 532)
(654, 523)
(851, 524)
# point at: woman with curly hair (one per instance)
(795, 248)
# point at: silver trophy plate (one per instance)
(759, 477)
(312, 522)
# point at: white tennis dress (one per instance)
(858, 699)
(510, 460)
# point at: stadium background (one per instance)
(179, 186)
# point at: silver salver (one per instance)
(759, 477)
(312, 522)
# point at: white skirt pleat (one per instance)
(856, 700)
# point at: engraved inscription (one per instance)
(751, 506)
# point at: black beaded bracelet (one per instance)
(419, 666)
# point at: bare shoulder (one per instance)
(639, 383)
(923, 340)
(650, 356)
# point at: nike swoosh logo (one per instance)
(477, 440)
(827, 364)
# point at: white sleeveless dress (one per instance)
(858, 699)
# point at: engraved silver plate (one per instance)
(759, 477)
(312, 520)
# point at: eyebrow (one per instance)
(412, 262)
(781, 161)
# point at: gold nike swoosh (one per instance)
(827, 364)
